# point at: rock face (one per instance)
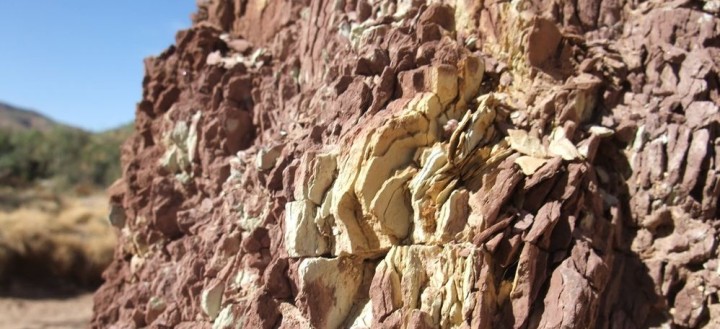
(403, 164)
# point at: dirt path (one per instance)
(72, 312)
(27, 305)
(56, 313)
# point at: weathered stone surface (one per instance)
(302, 237)
(327, 289)
(366, 164)
(440, 282)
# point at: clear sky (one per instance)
(80, 62)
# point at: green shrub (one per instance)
(67, 156)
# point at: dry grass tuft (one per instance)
(57, 238)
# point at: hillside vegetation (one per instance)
(66, 156)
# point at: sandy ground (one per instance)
(56, 313)
(26, 305)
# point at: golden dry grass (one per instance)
(48, 238)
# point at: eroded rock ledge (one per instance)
(403, 164)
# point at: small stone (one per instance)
(267, 157)
(529, 165)
(211, 298)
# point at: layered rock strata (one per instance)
(403, 164)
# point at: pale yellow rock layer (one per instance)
(399, 188)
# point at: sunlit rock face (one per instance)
(412, 164)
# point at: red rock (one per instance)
(383, 291)
(373, 63)
(700, 114)
(543, 225)
(622, 237)
(689, 305)
(531, 274)
(239, 89)
(263, 312)
(696, 155)
(443, 15)
(493, 199)
(420, 320)
(543, 41)
(678, 144)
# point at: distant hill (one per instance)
(16, 118)
(35, 148)
(118, 133)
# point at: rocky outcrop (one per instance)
(406, 164)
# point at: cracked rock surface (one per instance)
(425, 164)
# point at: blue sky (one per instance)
(80, 62)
